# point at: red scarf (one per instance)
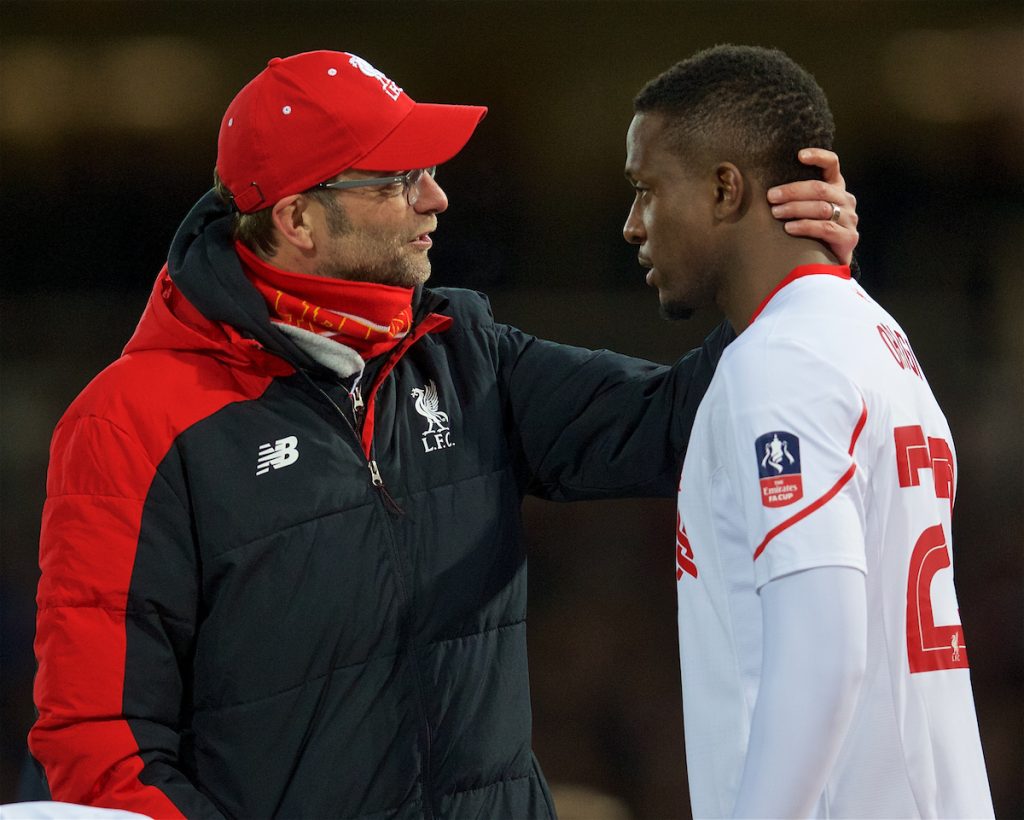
(369, 318)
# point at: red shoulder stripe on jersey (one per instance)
(806, 511)
(843, 479)
(842, 271)
(860, 426)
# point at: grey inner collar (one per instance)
(341, 360)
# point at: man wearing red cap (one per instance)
(282, 564)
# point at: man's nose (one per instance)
(633, 230)
(432, 198)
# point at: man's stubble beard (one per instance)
(675, 311)
(383, 264)
(706, 282)
(397, 273)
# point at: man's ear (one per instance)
(291, 219)
(731, 192)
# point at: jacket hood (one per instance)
(202, 300)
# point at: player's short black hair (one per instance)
(754, 106)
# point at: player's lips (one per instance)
(646, 263)
(422, 240)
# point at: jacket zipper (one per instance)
(358, 405)
(421, 702)
(358, 410)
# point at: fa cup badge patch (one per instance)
(438, 435)
(778, 467)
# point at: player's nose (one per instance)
(432, 198)
(633, 231)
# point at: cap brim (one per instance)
(430, 135)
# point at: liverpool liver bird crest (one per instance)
(426, 406)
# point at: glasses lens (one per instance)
(413, 179)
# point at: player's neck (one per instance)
(762, 270)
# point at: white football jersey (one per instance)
(819, 443)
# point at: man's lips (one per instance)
(649, 265)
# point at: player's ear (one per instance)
(730, 192)
(291, 218)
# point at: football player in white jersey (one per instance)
(824, 666)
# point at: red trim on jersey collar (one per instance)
(842, 271)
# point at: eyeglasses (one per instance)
(410, 182)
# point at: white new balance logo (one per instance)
(280, 454)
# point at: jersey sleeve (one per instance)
(805, 701)
(791, 441)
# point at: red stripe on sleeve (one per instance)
(820, 502)
(860, 426)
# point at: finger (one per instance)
(812, 189)
(827, 160)
(817, 210)
(840, 238)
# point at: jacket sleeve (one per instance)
(108, 732)
(589, 424)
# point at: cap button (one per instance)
(274, 61)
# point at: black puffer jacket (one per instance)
(243, 614)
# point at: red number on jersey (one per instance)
(930, 647)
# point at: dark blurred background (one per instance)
(108, 119)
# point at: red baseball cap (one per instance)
(307, 118)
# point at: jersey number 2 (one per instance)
(930, 646)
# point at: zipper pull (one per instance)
(358, 406)
(378, 482)
(375, 475)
